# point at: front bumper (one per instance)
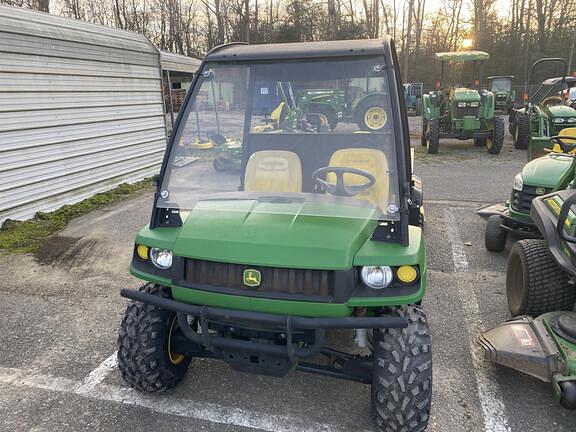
(285, 323)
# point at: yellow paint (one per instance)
(175, 358)
(375, 118)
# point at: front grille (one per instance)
(501, 97)
(522, 200)
(465, 111)
(274, 280)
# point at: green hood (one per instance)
(466, 95)
(546, 171)
(561, 111)
(297, 234)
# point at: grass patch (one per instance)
(26, 236)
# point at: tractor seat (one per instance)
(273, 171)
(369, 160)
(566, 132)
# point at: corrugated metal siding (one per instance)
(80, 111)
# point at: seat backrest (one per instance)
(369, 160)
(273, 171)
(571, 131)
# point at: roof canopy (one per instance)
(553, 81)
(298, 50)
(462, 56)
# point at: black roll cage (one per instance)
(313, 50)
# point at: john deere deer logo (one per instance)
(252, 278)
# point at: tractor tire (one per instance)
(326, 112)
(424, 139)
(522, 132)
(371, 114)
(144, 358)
(418, 107)
(495, 237)
(433, 141)
(535, 284)
(221, 163)
(402, 374)
(494, 145)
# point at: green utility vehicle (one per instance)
(321, 230)
(504, 94)
(540, 282)
(462, 111)
(553, 172)
(544, 113)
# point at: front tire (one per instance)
(371, 114)
(402, 375)
(495, 237)
(494, 144)
(535, 284)
(522, 132)
(433, 141)
(145, 358)
(424, 139)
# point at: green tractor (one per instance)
(544, 113)
(460, 111)
(504, 94)
(540, 282)
(321, 230)
(553, 172)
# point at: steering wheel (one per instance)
(340, 188)
(566, 148)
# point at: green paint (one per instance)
(547, 171)
(26, 236)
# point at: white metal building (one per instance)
(81, 110)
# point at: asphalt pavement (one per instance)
(61, 308)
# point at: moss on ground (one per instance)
(26, 236)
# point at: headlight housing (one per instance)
(572, 120)
(474, 104)
(558, 120)
(461, 104)
(161, 258)
(518, 182)
(377, 277)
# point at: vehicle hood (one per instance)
(546, 171)
(299, 234)
(561, 111)
(466, 95)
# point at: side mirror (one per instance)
(563, 217)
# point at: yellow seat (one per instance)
(566, 132)
(369, 160)
(273, 171)
(276, 118)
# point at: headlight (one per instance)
(572, 120)
(377, 277)
(461, 104)
(143, 252)
(558, 120)
(161, 258)
(518, 182)
(474, 104)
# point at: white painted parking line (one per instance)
(98, 375)
(493, 409)
(166, 404)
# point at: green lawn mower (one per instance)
(544, 113)
(540, 283)
(320, 230)
(462, 111)
(553, 172)
(504, 94)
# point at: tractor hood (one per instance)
(561, 111)
(296, 234)
(546, 171)
(466, 95)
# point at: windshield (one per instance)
(501, 85)
(312, 137)
(546, 90)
